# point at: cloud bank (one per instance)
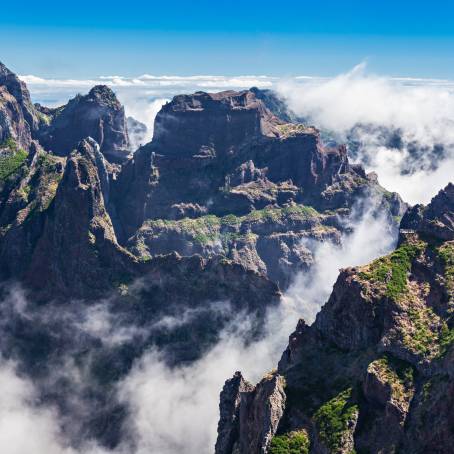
(417, 115)
(172, 409)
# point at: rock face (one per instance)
(18, 118)
(225, 176)
(372, 369)
(98, 115)
(436, 219)
(249, 414)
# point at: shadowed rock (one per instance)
(98, 114)
(374, 366)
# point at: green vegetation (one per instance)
(399, 374)
(446, 254)
(290, 129)
(422, 339)
(446, 338)
(401, 369)
(209, 228)
(43, 118)
(41, 190)
(333, 419)
(392, 269)
(296, 442)
(11, 158)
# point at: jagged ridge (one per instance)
(377, 363)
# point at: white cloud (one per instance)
(24, 426)
(423, 110)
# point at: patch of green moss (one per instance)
(11, 158)
(296, 442)
(446, 254)
(422, 339)
(403, 370)
(43, 184)
(275, 214)
(398, 373)
(230, 220)
(392, 269)
(446, 338)
(290, 129)
(333, 419)
(209, 228)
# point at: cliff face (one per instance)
(225, 176)
(18, 118)
(377, 364)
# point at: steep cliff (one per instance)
(374, 373)
(225, 176)
(19, 120)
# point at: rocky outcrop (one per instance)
(98, 114)
(369, 373)
(78, 219)
(249, 414)
(213, 124)
(229, 410)
(434, 220)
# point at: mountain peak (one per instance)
(103, 94)
(4, 71)
(98, 114)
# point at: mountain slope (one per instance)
(376, 365)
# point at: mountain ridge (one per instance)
(374, 366)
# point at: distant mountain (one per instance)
(137, 132)
(374, 373)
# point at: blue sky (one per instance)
(281, 38)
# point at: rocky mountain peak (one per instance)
(436, 219)
(98, 114)
(102, 94)
(212, 124)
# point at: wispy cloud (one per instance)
(420, 111)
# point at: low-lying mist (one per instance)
(175, 409)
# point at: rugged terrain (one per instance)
(223, 177)
(374, 372)
(214, 216)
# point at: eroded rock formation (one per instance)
(374, 373)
